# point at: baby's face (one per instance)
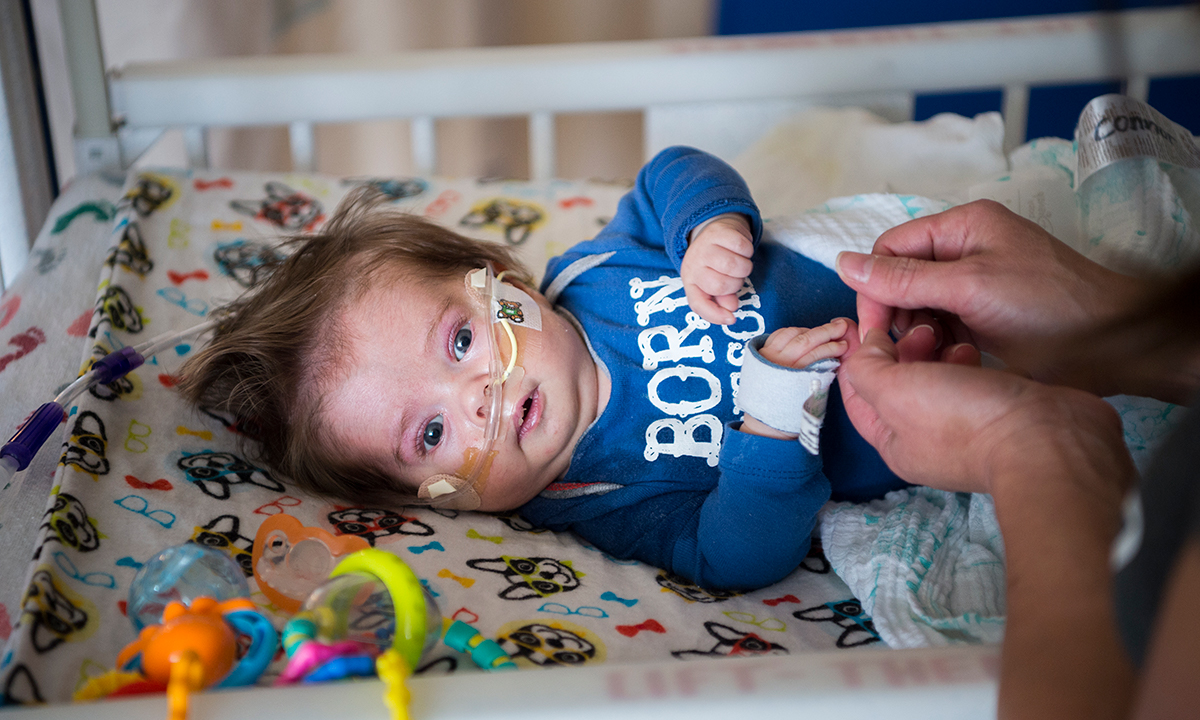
(408, 396)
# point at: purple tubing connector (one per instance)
(116, 364)
(29, 437)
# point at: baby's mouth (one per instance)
(529, 414)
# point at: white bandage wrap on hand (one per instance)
(788, 399)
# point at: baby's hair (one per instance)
(280, 340)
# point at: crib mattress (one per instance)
(119, 263)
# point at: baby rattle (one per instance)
(373, 616)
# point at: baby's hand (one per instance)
(799, 347)
(715, 264)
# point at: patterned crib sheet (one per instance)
(140, 471)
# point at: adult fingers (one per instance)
(962, 354)
(861, 376)
(919, 344)
(956, 331)
(902, 282)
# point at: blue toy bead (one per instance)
(263, 641)
(343, 667)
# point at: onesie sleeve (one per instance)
(677, 190)
(751, 530)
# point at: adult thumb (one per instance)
(900, 282)
(863, 376)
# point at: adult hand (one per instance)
(990, 276)
(715, 264)
(958, 427)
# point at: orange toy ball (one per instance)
(206, 634)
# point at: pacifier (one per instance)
(511, 314)
(291, 559)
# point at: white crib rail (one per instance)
(871, 684)
(539, 81)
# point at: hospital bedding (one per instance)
(139, 471)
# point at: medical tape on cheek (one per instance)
(462, 490)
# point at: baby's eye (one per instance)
(433, 433)
(462, 342)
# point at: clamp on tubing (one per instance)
(29, 438)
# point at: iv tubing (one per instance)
(33, 433)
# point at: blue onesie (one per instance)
(664, 476)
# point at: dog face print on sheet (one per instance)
(224, 533)
(130, 253)
(217, 473)
(151, 192)
(815, 561)
(515, 522)
(283, 207)
(375, 524)
(392, 188)
(68, 523)
(115, 309)
(857, 628)
(534, 577)
(87, 446)
(53, 613)
(690, 591)
(247, 262)
(514, 218)
(550, 644)
(732, 643)
(20, 688)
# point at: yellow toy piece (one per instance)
(392, 669)
(187, 677)
(104, 685)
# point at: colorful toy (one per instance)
(373, 616)
(181, 574)
(195, 641)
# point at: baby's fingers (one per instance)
(798, 347)
(824, 351)
(706, 306)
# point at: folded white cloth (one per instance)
(927, 565)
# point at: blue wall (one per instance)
(1053, 110)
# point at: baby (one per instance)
(384, 362)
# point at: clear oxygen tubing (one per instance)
(462, 490)
(29, 438)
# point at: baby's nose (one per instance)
(476, 402)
